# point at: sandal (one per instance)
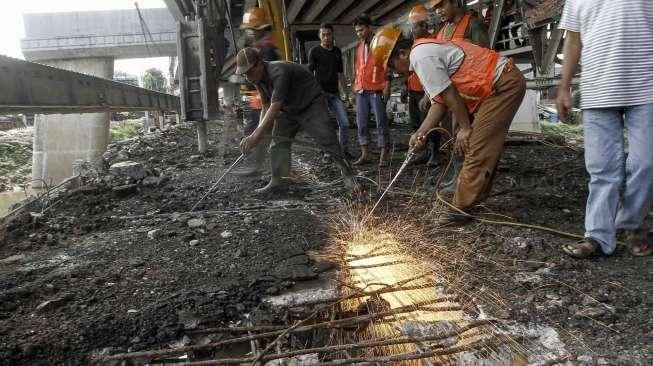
(640, 243)
(584, 249)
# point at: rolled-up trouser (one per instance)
(315, 122)
(364, 102)
(337, 107)
(489, 130)
(620, 187)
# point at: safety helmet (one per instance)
(435, 2)
(255, 18)
(417, 14)
(383, 42)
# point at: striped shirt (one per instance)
(617, 53)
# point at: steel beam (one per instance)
(336, 10)
(315, 10)
(385, 8)
(496, 21)
(552, 48)
(362, 7)
(35, 88)
(294, 9)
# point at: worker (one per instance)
(292, 101)
(465, 79)
(613, 40)
(259, 35)
(456, 24)
(418, 20)
(325, 61)
(370, 81)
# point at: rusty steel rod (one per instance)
(377, 342)
(305, 328)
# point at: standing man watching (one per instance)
(369, 84)
(325, 61)
(259, 35)
(467, 80)
(457, 25)
(614, 42)
(292, 101)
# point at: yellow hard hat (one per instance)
(383, 42)
(255, 18)
(417, 14)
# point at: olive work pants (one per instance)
(489, 131)
(316, 123)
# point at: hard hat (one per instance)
(417, 14)
(255, 18)
(383, 42)
(435, 3)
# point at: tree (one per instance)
(153, 79)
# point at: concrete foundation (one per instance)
(61, 139)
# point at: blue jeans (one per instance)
(337, 107)
(620, 188)
(364, 102)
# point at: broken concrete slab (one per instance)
(128, 169)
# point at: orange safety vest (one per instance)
(458, 32)
(474, 77)
(413, 83)
(370, 75)
(255, 101)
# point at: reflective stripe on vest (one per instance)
(459, 31)
(370, 75)
(474, 77)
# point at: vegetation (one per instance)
(125, 130)
(153, 79)
(569, 131)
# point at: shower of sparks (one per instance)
(380, 255)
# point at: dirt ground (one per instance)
(120, 264)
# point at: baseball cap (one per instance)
(246, 59)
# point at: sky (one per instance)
(12, 29)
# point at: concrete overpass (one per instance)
(87, 43)
(90, 34)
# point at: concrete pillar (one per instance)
(231, 93)
(60, 139)
(201, 136)
(147, 123)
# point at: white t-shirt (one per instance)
(435, 63)
(617, 53)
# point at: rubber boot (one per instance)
(384, 158)
(279, 167)
(347, 172)
(450, 181)
(254, 162)
(363, 159)
(434, 155)
(423, 156)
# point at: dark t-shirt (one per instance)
(326, 64)
(289, 83)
